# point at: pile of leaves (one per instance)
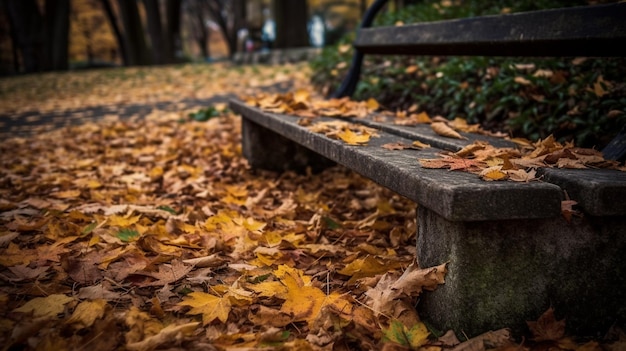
(58, 91)
(152, 234)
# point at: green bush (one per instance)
(575, 99)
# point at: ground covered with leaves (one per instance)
(154, 233)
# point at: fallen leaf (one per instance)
(547, 328)
(86, 313)
(166, 335)
(444, 130)
(49, 306)
(411, 337)
(352, 138)
(211, 307)
(493, 173)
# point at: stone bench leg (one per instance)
(266, 149)
(503, 273)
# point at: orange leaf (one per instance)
(547, 328)
(210, 306)
(352, 138)
(493, 173)
(444, 130)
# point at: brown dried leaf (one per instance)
(547, 328)
(444, 130)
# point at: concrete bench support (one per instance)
(502, 273)
(267, 150)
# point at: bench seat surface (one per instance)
(457, 196)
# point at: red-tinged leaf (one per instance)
(547, 327)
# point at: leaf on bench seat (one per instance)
(444, 130)
(352, 138)
(350, 133)
(416, 145)
(453, 163)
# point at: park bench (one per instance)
(511, 253)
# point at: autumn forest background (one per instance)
(56, 35)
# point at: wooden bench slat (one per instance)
(457, 196)
(579, 31)
(425, 134)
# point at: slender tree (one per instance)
(134, 38)
(173, 43)
(230, 16)
(155, 31)
(13, 36)
(26, 19)
(56, 34)
(291, 23)
(108, 9)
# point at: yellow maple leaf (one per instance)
(372, 104)
(352, 138)
(421, 117)
(268, 288)
(302, 300)
(67, 194)
(120, 221)
(86, 313)
(48, 306)
(165, 335)
(250, 223)
(412, 338)
(367, 267)
(493, 173)
(211, 307)
(301, 98)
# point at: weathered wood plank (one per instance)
(578, 31)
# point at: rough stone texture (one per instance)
(503, 273)
(267, 150)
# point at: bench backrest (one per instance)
(578, 31)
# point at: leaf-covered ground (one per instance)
(152, 232)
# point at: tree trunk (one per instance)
(239, 22)
(155, 31)
(134, 39)
(57, 26)
(28, 31)
(173, 44)
(13, 35)
(202, 34)
(108, 9)
(291, 23)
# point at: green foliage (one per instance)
(530, 97)
(205, 114)
(127, 235)
(167, 209)
(412, 338)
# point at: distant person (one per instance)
(268, 33)
(316, 31)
